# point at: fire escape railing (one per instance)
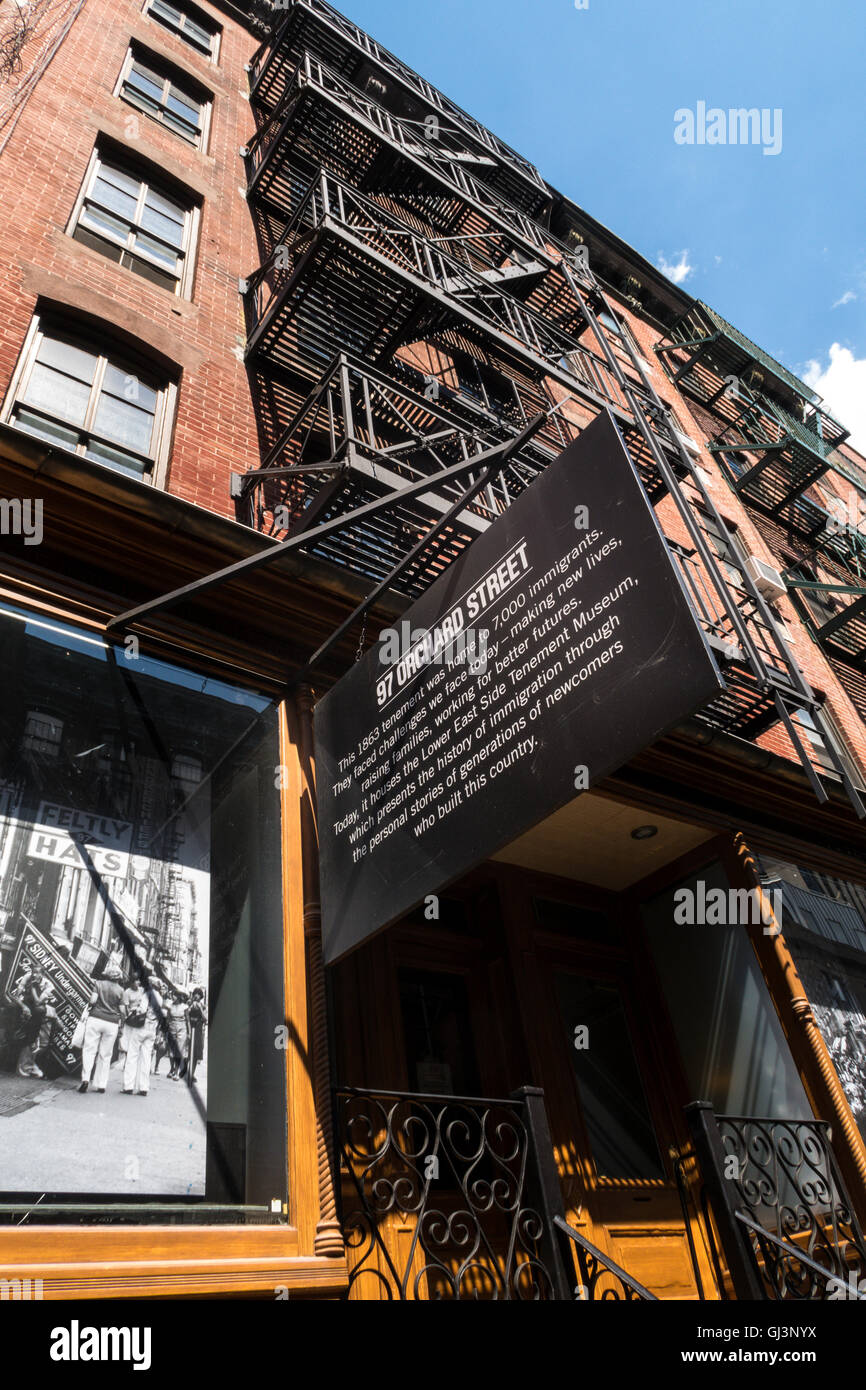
(359, 418)
(349, 278)
(338, 24)
(443, 271)
(439, 157)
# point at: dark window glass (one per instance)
(614, 1106)
(439, 1052)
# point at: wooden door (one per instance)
(611, 1079)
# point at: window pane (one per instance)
(611, 1092)
(194, 884)
(155, 251)
(129, 387)
(164, 11)
(163, 218)
(185, 107)
(144, 103)
(146, 81)
(197, 35)
(57, 394)
(54, 352)
(115, 458)
(106, 224)
(45, 429)
(124, 422)
(115, 199)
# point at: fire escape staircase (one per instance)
(389, 269)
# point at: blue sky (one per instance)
(777, 243)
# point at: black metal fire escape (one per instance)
(412, 313)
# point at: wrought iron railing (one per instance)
(791, 1275)
(449, 1197)
(602, 1280)
(782, 1175)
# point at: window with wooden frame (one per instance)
(136, 222)
(174, 100)
(189, 24)
(110, 407)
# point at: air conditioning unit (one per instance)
(766, 579)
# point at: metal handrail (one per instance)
(586, 1247)
(794, 1252)
(329, 199)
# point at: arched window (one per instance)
(83, 397)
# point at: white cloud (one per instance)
(842, 383)
(678, 271)
(845, 298)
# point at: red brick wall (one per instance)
(41, 172)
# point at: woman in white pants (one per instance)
(143, 1013)
(106, 1005)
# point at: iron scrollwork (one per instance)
(441, 1198)
(805, 1236)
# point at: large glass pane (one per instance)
(732, 1047)
(118, 197)
(45, 429)
(164, 218)
(73, 361)
(129, 387)
(116, 458)
(824, 925)
(156, 251)
(125, 876)
(105, 224)
(144, 80)
(57, 394)
(124, 422)
(612, 1098)
(184, 107)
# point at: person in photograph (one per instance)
(35, 1023)
(196, 1023)
(143, 1012)
(100, 1031)
(178, 1035)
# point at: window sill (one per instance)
(155, 1262)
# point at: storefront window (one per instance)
(140, 938)
(731, 1044)
(824, 924)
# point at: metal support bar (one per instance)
(326, 528)
(420, 546)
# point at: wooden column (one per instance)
(801, 1029)
(329, 1236)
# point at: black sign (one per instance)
(559, 645)
(70, 988)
